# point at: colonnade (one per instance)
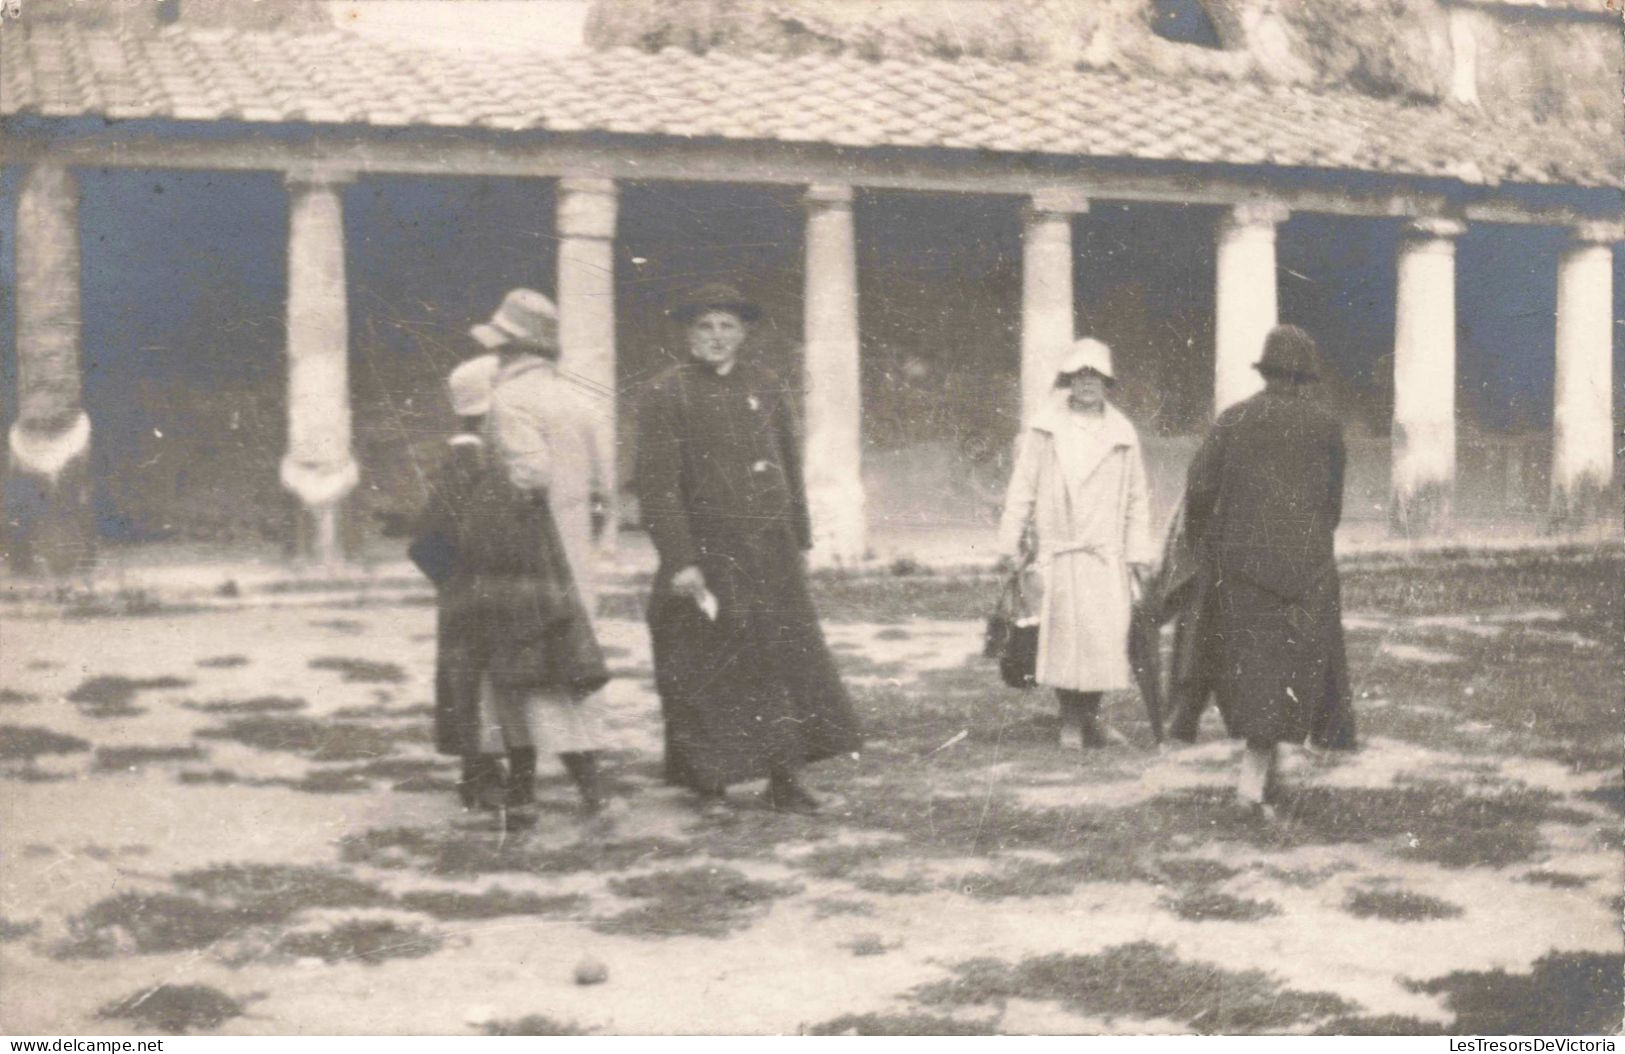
(52, 434)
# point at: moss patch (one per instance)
(27, 742)
(472, 853)
(175, 1008)
(371, 941)
(828, 907)
(1566, 994)
(1555, 879)
(259, 704)
(223, 662)
(321, 740)
(1213, 906)
(112, 696)
(12, 697)
(277, 891)
(361, 671)
(1196, 870)
(14, 931)
(1381, 1025)
(1398, 905)
(534, 1025)
(901, 1025)
(491, 903)
(700, 901)
(1140, 980)
(151, 923)
(121, 759)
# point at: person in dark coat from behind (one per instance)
(1263, 498)
(509, 619)
(747, 685)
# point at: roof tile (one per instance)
(189, 74)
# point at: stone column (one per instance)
(834, 456)
(1048, 326)
(318, 467)
(1424, 430)
(586, 230)
(49, 526)
(1583, 411)
(1245, 301)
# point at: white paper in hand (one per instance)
(707, 601)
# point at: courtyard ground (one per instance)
(226, 817)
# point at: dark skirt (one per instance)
(758, 686)
(1280, 670)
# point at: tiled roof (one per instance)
(191, 74)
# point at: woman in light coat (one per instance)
(1080, 486)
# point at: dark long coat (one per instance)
(719, 478)
(1263, 499)
(508, 608)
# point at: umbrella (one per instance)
(1145, 657)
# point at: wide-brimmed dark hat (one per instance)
(713, 296)
(1290, 352)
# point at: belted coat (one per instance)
(544, 428)
(1081, 486)
(720, 482)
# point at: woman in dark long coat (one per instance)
(747, 686)
(1263, 500)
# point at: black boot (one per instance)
(583, 769)
(786, 794)
(482, 777)
(521, 777)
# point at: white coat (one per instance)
(1081, 484)
(546, 434)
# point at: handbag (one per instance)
(1012, 634)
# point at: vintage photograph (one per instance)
(812, 517)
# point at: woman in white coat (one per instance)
(1079, 485)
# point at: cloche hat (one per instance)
(1086, 354)
(525, 317)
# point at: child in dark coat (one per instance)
(509, 620)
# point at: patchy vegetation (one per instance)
(472, 853)
(27, 743)
(361, 671)
(177, 1009)
(701, 901)
(120, 759)
(12, 697)
(901, 1025)
(13, 931)
(112, 696)
(371, 941)
(1214, 906)
(259, 704)
(1398, 905)
(223, 662)
(449, 904)
(534, 1025)
(278, 891)
(321, 740)
(1566, 994)
(1139, 980)
(1556, 879)
(152, 923)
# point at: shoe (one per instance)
(714, 806)
(1260, 812)
(790, 796)
(480, 787)
(1093, 737)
